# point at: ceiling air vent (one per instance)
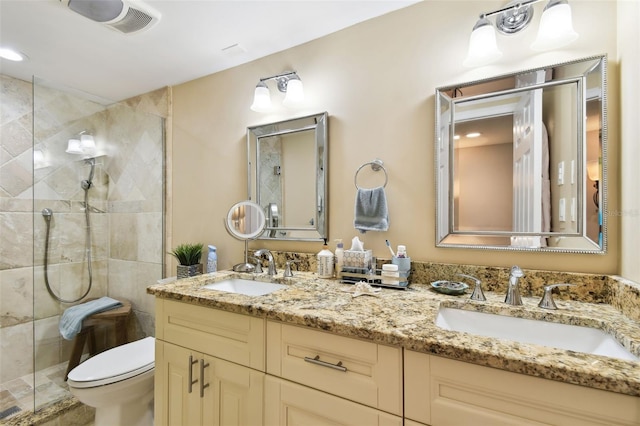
(124, 16)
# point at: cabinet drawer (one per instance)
(234, 337)
(364, 372)
(462, 393)
(290, 404)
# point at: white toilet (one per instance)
(118, 383)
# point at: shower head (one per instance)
(86, 184)
(47, 213)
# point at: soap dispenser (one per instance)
(325, 262)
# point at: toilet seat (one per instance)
(115, 365)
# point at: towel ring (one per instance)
(376, 165)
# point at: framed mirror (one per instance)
(245, 221)
(288, 165)
(521, 160)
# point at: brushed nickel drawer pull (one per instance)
(317, 361)
(202, 385)
(191, 381)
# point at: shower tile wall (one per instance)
(270, 182)
(127, 238)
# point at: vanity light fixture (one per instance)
(288, 82)
(555, 30)
(85, 144)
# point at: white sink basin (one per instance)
(562, 336)
(246, 287)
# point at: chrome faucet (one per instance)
(547, 299)
(477, 289)
(513, 292)
(287, 268)
(272, 265)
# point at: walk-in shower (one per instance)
(73, 228)
(47, 213)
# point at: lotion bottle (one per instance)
(212, 260)
(325, 262)
(339, 258)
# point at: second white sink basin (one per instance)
(561, 336)
(246, 287)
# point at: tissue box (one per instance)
(357, 259)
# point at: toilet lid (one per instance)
(114, 365)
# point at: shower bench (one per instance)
(116, 317)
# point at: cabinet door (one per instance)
(222, 393)
(174, 404)
(290, 404)
(233, 394)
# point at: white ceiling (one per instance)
(67, 49)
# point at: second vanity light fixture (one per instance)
(86, 144)
(556, 29)
(287, 82)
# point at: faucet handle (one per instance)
(547, 298)
(477, 289)
(258, 269)
(287, 268)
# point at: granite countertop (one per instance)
(407, 318)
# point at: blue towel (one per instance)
(71, 321)
(371, 212)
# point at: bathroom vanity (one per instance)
(313, 354)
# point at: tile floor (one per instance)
(17, 395)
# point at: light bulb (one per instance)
(74, 147)
(483, 48)
(261, 98)
(87, 143)
(556, 27)
(295, 93)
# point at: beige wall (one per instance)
(377, 82)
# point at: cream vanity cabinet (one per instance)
(209, 366)
(319, 378)
(441, 391)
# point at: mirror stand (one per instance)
(246, 266)
(245, 221)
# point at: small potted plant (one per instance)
(188, 256)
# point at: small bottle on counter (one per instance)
(402, 252)
(339, 258)
(390, 274)
(212, 260)
(325, 262)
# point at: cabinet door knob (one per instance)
(316, 360)
(202, 384)
(191, 381)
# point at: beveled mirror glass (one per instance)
(521, 160)
(287, 163)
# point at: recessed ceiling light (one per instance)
(456, 137)
(473, 134)
(11, 54)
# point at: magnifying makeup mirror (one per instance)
(245, 221)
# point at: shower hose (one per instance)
(47, 214)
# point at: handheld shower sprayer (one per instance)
(86, 184)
